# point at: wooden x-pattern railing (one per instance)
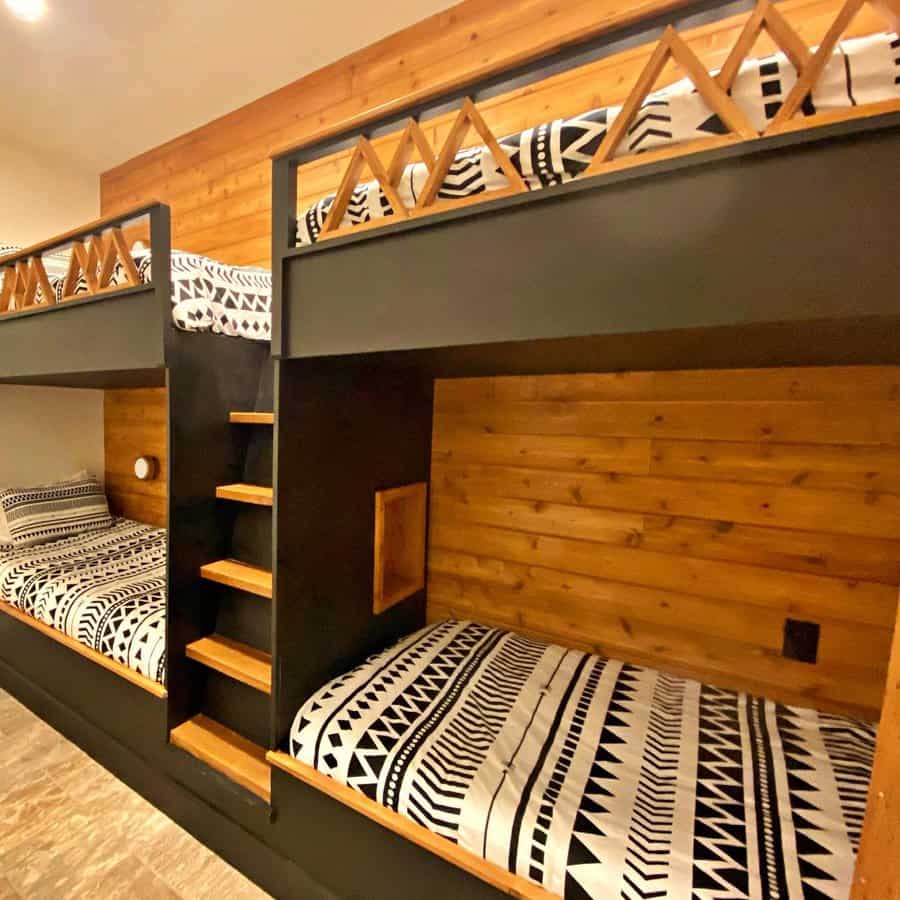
(715, 90)
(92, 264)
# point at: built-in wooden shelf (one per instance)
(227, 752)
(117, 668)
(252, 418)
(505, 882)
(400, 516)
(239, 661)
(239, 575)
(245, 493)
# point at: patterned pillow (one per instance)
(50, 512)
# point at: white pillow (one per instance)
(5, 537)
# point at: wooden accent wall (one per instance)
(677, 519)
(217, 178)
(135, 425)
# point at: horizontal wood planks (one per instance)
(678, 519)
(135, 425)
(217, 178)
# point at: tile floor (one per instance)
(70, 829)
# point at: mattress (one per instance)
(594, 777)
(105, 589)
(206, 295)
(860, 71)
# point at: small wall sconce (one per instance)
(146, 468)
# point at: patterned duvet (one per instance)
(862, 70)
(206, 295)
(592, 777)
(106, 589)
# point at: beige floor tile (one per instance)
(70, 829)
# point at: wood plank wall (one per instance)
(677, 519)
(217, 178)
(135, 425)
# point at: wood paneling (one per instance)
(135, 425)
(878, 867)
(217, 178)
(678, 519)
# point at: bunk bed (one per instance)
(735, 219)
(103, 615)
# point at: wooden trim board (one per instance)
(227, 752)
(252, 418)
(236, 660)
(508, 883)
(117, 668)
(254, 494)
(239, 575)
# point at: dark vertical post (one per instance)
(284, 237)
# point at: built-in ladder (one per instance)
(230, 753)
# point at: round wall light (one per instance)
(27, 10)
(146, 468)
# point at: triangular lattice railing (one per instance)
(96, 261)
(714, 89)
(26, 284)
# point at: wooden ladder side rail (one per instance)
(496, 876)
(117, 668)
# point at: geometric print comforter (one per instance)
(861, 70)
(105, 589)
(593, 777)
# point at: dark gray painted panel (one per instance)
(802, 233)
(99, 335)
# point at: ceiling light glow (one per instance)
(28, 10)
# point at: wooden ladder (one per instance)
(228, 752)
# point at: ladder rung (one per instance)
(252, 418)
(245, 493)
(239, 575)
(239, 661)
(227, 752)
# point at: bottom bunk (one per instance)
(545, 770)
(101, 593)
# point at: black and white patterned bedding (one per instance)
(592, 777)
(206, 295)
(862, 70)
(105, 589)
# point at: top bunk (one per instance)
(113, 304)
(732, 167)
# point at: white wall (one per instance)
(41, 196)
(47, 433)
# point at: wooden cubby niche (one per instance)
(400, 522)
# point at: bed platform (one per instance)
(608, 367)
(101, 594)
(582, 775)
(583, 228)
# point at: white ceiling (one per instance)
(99, 81)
